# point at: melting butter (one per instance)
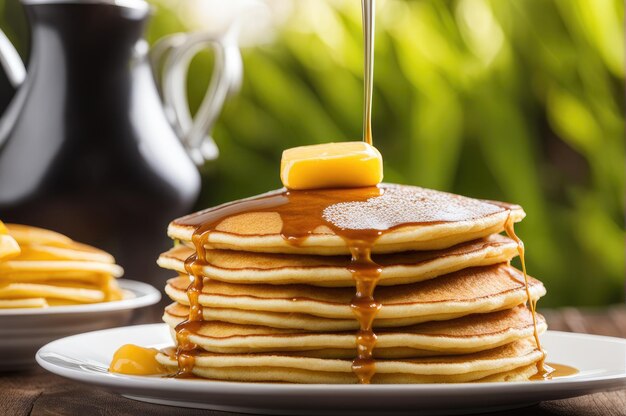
(135, 360)
(331, 165)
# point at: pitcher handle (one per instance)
(195, 132)
(11, 62)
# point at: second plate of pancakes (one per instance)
(52, 286)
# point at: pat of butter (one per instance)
(331, 165)
(3, 228)
(135, 360)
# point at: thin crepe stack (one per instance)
(276, 299)
(41, 268)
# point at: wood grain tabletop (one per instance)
(38, 393)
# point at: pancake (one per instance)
(458, 336)
(26, 234)
(56, 291)
(30, 270)
(74, 252)
(519, 355)
(474, 290)
(397, 268)
(51, 269)
(308, 222)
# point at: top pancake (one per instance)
(394, 217)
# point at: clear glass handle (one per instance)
(11, 62)
(176, 53)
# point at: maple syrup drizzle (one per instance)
(364, 270)
(553, 371)
(303, 213)
(365, 274)
(368, 11)
(186, 350)
(543, 371)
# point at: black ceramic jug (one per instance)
(87, 146)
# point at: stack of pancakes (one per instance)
(266, 289)
(41, 268)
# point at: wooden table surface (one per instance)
(39, 393)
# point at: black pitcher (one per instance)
(88, 147)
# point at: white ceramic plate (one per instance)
(24, 331)
(85, 358)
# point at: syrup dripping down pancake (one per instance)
(511, 361)
(397, 268)
(412, 218)
(474, 290)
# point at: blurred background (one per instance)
(521, 101)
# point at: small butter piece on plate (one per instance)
(331, 165)
(135, 360)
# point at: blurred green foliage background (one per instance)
(521, 101)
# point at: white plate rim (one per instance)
(143, 295)
(118, 381)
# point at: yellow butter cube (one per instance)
(331, 165)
